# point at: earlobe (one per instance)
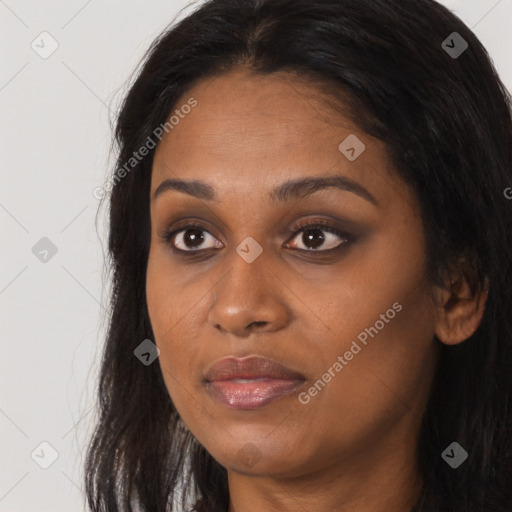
(460, 312)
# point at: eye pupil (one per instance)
(191, 237)
(308, 237)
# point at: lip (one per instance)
(250, 383)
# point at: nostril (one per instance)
(259, 323)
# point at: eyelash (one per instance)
(292, 233)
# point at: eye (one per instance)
(193, 238)
(190, 238)
(319, 235)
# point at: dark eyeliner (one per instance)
(322, 225)
(168, 235)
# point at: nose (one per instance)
(249, 298)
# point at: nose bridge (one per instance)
(249, 293)
(252, 260)
(248, 277)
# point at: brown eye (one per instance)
(319, 237)
(191, 238)
(314, 237)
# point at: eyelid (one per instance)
(169, 234)
(298, 227)
(322, 225)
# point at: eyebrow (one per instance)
(286, 191)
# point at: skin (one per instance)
(352, 446)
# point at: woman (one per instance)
(309, 236)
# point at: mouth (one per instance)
(250, 383)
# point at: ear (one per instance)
(459, 310)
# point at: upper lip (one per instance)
(252, 367)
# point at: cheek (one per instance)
(386, 380)
(177, 310)
(171, 301)
(383, 328)
(169, 312)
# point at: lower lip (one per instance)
(251, 394)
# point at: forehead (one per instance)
(250, 132)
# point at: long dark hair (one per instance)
(446, 120)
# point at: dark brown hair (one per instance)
(447, 124)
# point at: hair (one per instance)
(447, 125)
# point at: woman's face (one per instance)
(344, 306)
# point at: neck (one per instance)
(381, 476)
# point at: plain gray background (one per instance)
(55, 138)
